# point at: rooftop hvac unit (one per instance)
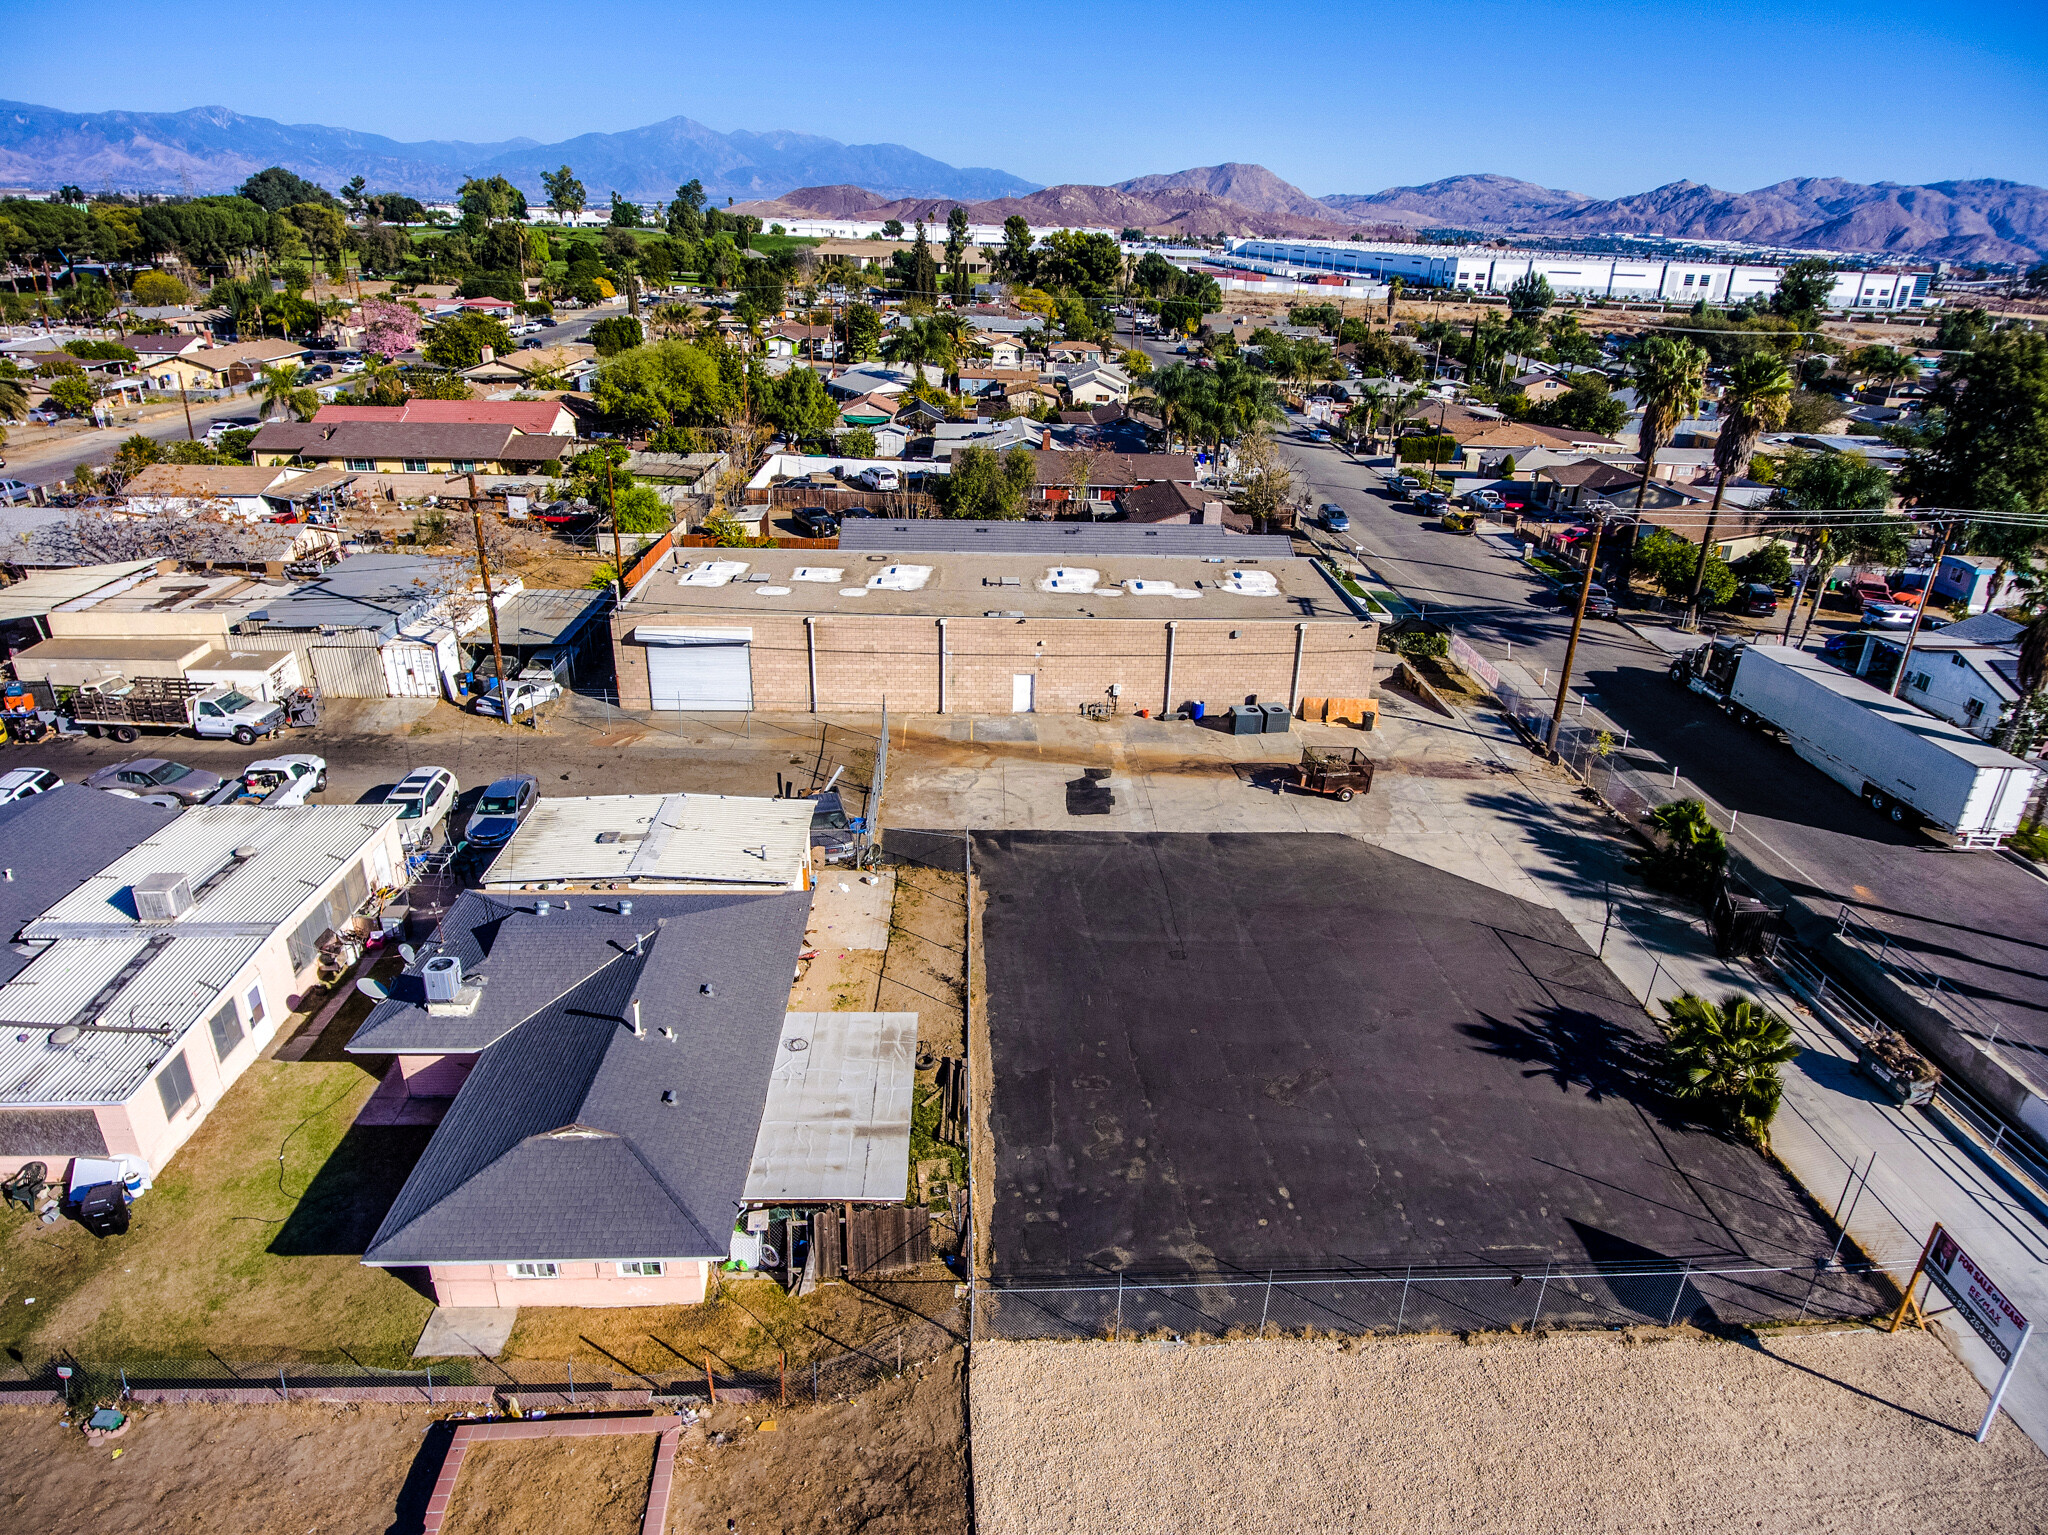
(443, 976)
(162, 897)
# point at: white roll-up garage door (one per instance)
(698, 669)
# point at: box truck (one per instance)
(1901, 762)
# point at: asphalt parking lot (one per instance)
(1235, 1052)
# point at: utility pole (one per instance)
(483, 565)
(1571, 649)
(1920, 608)
(186, 400)
(618, 556)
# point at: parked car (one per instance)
(1754, 599)
(13, 491)
(1888, 615)
(1600, 605)
(504, 805)
(1335, 518)
(278, 782)
(816, 522)
(1403, 484)
(1431, 500)
(228, 424)
(880, 477)
(833, 838)
(1869, 588)
(24, 782)
(527, 694)
(149, 776)
(424, 797)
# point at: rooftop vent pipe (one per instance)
(639, 1032)
(540, 908)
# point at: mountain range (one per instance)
(787, 175)
(211, 149)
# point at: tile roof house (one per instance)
(156, 982)
(614, 1065)
(220, 367)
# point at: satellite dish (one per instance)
(411, 954)
(372, 990)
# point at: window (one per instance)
(255, 1001)
(534, 1270)
(227, 1031)
(1917, 680)
(465, 466)
(643, 1268)
(1955, 658)
(1972, 709)
(359, 465)
(174, 1085)
(415, 466)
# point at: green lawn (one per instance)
(247, 1246)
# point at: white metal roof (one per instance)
(294, 854)
(836, 1125)
(660, 840)
(172, 988)
(37, 594)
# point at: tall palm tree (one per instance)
(2022, 726)
(1758, 391)
(13, 393)
(1667, 375)
(1180, 391)
(279, 385)
(1371, 401)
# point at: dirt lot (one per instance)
(1821, 1432)
(307, 1467)
(595, 1486)
(890, 1462)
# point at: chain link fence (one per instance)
(1722, 1294)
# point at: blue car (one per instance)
(504, 805)
(1334, 518)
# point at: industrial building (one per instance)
(953, 617)
(1483, 269)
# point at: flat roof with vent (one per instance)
(659, 841)
(1060, 540)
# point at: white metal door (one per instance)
(701, 672)
(1023, 689)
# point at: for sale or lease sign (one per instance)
(1980, 1302)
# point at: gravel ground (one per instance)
(1819, 1432)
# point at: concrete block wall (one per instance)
(861, 658)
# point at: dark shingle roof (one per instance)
(559, 1145)
(54, 843)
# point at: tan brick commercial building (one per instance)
(838, 631)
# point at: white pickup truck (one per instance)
(122, 708)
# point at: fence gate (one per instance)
(349, 671)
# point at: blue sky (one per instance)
(1599, 96)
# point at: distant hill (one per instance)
(1953, 220)
(211, 149)
(1250, 187)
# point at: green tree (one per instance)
(615, 334)
(640, 509)
(1675, 565)
(134, 455)
(892, 229)
(566, 195)
(1811, 483)
(1090, 264)
(281, 386)
(159, 290)
(1725, 1060)
(1667, 376)
(72, 395)
(797, 405)
(1804, 288)
(686, 211)
(1588, 406)
(983, 485)
(861, 329)
(1808, 411)
(625, 215)
(1529, 297)
(1017, 262)
(1691, 853)
(1987, 445)
(458, 342)
(918, 271)
(13, 392)
(857, 442)
(1569, 346)
(1154, 275)
(277, 188)
(1754, 402)
(962, 286)
(665, 383)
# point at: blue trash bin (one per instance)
(1197, 709)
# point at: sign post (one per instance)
(1980, 1303)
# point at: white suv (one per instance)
(424, 797)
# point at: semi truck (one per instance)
(1903, 763)
(123, 707)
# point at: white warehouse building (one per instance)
(1479, 269)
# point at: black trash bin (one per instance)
(1279, 719)
(102, 1209)
(1247, 720)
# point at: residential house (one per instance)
(1004, 351)
(1969, 579)
(409, 447)
(1082, 353)
(153, 351)
(869, 410)
(156, 982)
(220, 367)
(1108, 474)
(1171, 503)
(252, 494)
(818, 342)
(977, 381)
(628, 1079)
(539, 418)
(182, 318)
(1026, 398)
(1967, 674)
(1098, 386)
(671, 842)
(1541, 388)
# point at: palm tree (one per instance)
(13, 393)
(1371, 401)
(1667, 375)
(1754, 402)
(1180, 391)
(2022, 726)
(1726, 1059)
(279, 385)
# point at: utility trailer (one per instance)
(1901, 761)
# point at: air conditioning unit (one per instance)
(443, 977)
(162, 897)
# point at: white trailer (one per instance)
(1897, 759)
